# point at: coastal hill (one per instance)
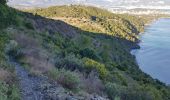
(138, 7)
(72, 53)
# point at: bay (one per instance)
(154, 55)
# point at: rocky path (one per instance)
(40, 88)
(29, 84)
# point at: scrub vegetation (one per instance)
(83, 49)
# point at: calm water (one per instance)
(154, 55)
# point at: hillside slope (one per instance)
(83, 50)
(122, 26)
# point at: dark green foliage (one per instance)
(8, 92)
(3, 2)
(29, 25)
(124, 93)
(89, 53)
(7, 16)
(67, 79)
(70, 62)
(4, 39)
(112, 91)
(94, 65)
(122, 68)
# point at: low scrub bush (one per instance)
(94, 65)
(128, 93)
(89, 53)
(29, 25)
(112, 91)
(13, 50)
(70, 62)
(3, 40)
(92, 84)
(9, 92)
(67, 79)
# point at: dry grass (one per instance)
(92, 84)
(6, 76)
(35, 56)
(39, 65)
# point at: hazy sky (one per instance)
(106, 3)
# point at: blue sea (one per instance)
(154, 55)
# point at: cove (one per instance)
(153, 57)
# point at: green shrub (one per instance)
(94, 65)
(119, 92)
(8, 16)
(3, 2)
(122, 68)
(70, 62)
(13, 50)
(3, 41)
(112, 91)
(3, 91)
(154, 93)
(9, 92)
(136, 93)
(89, 53)
(14, 93)
(29, 25)
(67, 79)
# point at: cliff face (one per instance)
(73, 52)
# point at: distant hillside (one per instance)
(123, 26)
(107, 4)
(82, 53)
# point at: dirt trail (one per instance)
(29, 85)
(40, 88)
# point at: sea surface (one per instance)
(154, 55)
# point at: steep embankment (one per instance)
(8, 83)
(84, 51)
